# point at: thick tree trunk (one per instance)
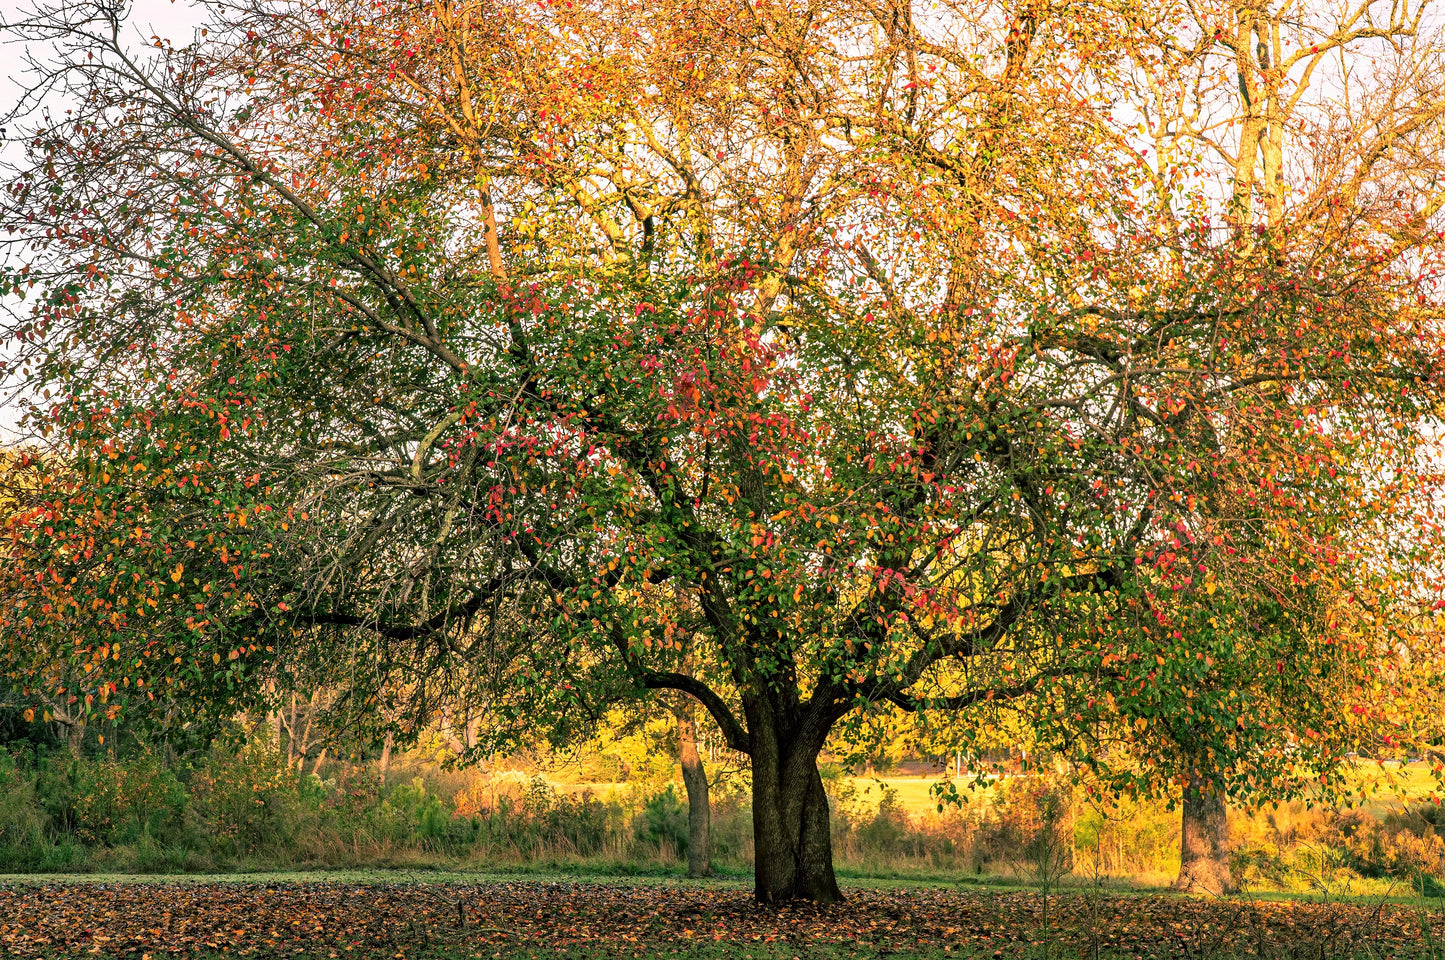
(792, 838)
(1204, 840)
(699, 814)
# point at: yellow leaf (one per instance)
(176, 573)
(215, 658)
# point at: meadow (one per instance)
(248, 809)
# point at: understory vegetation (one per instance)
(245, 807)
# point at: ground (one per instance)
(391, 915)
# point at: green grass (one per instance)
(848, 879)
(384, 877)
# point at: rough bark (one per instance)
(792, 838)
(699, 814)
(1204, 840)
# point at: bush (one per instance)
(732, 828)
(887, 832)
(882, 837)
(119, 802)
(536, 820)
(246, 807)
(662, 822)
(1028, 825)
(1292, 847)
(1413, 844)
(238, 799)
(411, 812)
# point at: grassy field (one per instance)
(244, 811)
(1383, 789)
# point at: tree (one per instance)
(800, 358)
(1249, 94)
(699, 807)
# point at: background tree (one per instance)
(1314, 128)
(479, 354)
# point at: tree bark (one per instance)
(291, 751)
(1204, 839)
(792, 832)
(385, 764)
(694, 778)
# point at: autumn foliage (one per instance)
(805, 359)
(525, 918)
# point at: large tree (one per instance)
(801, 358)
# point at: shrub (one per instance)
(731, 834)
(238, 798)
(411, 812)
(117, 802)
(524, 821)
(887, 832)
(1128, 837)
(662, 822)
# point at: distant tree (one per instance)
(803, 359)
(1304, 164)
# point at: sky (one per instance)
(174, 19)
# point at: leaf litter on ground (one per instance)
(493, 919)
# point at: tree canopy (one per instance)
(802, 358)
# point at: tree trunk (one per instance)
(385, 764)
(694, 777)
(291, 751)
(305, 743)
(1204, 840)
(792, 839)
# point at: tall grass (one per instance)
(246, 808)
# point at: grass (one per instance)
(848, 879)
(914, 793)
(1384, 788)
